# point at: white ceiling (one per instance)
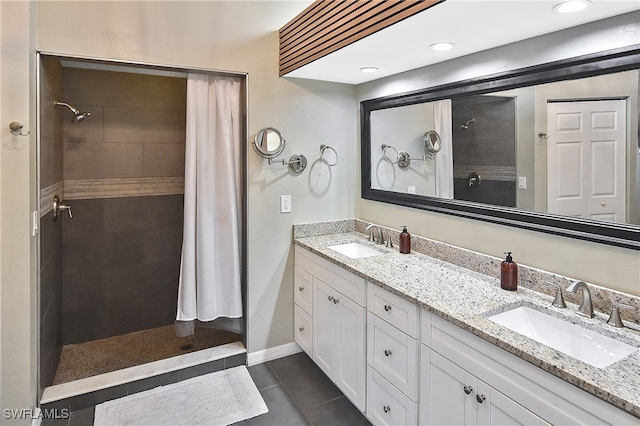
(472, 25)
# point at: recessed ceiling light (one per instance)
(443, 45)
(572, 6)
(368, 69)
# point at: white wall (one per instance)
(18, 324)
(599, 264)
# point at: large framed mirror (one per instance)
(552, 148)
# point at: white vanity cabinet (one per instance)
(402, 365)
(392, 358)
(467, 380)
(338, 317)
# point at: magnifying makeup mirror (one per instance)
(269, 142)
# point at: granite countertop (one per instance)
(465, 298)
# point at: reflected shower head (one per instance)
(77, 115)
(465, 126)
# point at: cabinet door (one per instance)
(444, 399)
(497, 409)
(324, 327)
(302, 289)
(350, 357)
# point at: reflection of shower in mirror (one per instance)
(465, 126)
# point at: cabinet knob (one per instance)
(301, 329)
(386, 408)
(301, 288)
(336, 301)
(467, 389)
(330, 298)
(480, 398)
(387, 308)
(387, 352)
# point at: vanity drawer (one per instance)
(302, 290)
(395, 310)
(350, 285)
(394, 355)
(386, 405)
(303, 330)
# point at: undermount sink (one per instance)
(355, 250)
(586, 345)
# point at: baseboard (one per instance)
(269, 354)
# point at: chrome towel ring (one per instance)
(323, 148)
(388, 159)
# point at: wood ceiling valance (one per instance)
(328, 25)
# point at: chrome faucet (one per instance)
(373, 227)
(585, 308)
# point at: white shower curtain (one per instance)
(444, 158)
(210, 271)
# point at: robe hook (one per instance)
(16, 129)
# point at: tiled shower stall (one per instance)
(113, 267)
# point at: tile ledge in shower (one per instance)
(139, 372)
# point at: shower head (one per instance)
(465, 126)
(77, 115)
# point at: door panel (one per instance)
(447, 402)
(586, 159)
(324, 325)
(499, 410)
(350, 365)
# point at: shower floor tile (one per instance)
(81, 360)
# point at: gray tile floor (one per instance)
(295, 390)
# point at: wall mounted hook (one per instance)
(16, 129)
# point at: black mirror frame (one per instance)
(615, 234)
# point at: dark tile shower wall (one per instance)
(136, 129)
(122, 252)
(50, 232)
(121, 265)
(488, 147)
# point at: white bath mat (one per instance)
(220, 398)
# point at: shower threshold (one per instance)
(114, 379)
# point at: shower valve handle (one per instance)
(58, 207)
(66, 207)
